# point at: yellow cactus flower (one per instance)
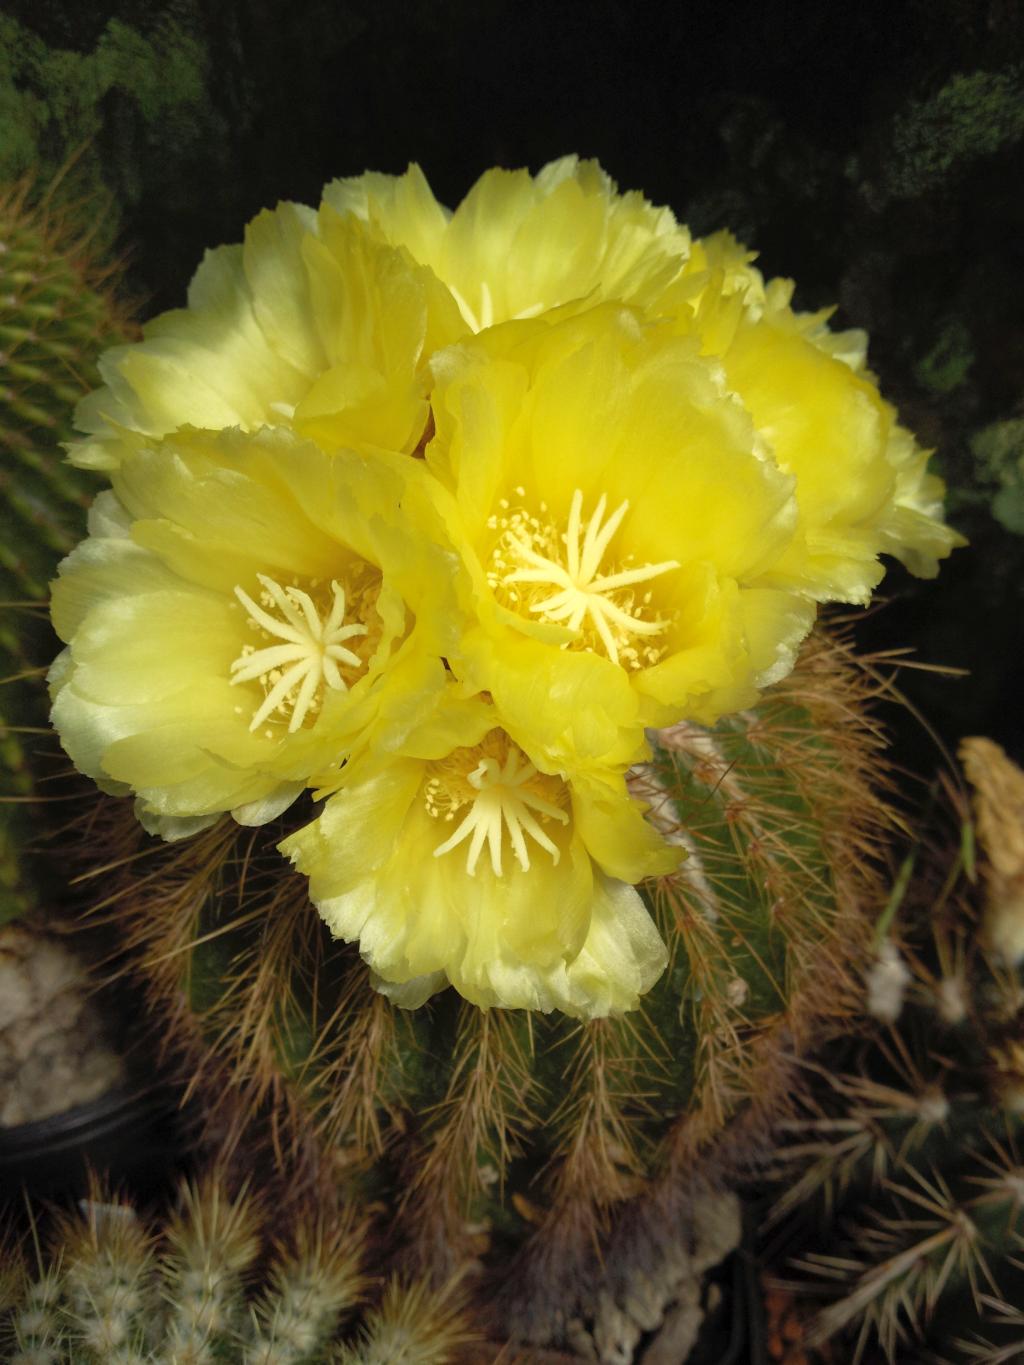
(324, 321)
(642, 472)
(521, 896)
(862, 486)
(246, 609)
(519, 245)
(327, 321)
(619, 519)
(313, 323)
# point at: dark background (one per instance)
(873, 152)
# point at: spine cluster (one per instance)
(900, 1188)
(206, 1285)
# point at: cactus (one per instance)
(500, 1134)
(412, 1326)
(205, 1283)
(903, 1182)
(57, 313)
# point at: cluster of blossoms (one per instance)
(434, 514)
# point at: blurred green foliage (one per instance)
(946, 366)
(115, 108)
(972, 116)
(999, 454)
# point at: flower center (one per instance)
(503, 791)
(307, 653)
(607, 609)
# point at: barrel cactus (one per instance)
(59, 313)
(498, 1133)
(472, 562)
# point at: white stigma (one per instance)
(312, 648)
(581, 590)
(503, 801)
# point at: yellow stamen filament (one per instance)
(582, 591)
(470, 316)
(313, 646)
(500, 799)
(479, 321)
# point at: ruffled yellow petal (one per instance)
(519, 245)
(621, 959)
(384, 315)
(207, 365)
(247, 611)
(829, 428)
(401, 207)
(573, 706)
(614, 506)
(612, 826)
(861, 485)
(912, 529)
(314, 322)
(775, 625)
(708, 658)
(477, 868)
(282, 283)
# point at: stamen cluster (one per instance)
(504, 792)
(292, 674)
(600, 608)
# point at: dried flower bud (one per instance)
(999, 812)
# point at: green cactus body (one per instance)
(56, 317)
(507, 1133)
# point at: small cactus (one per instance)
(411, 1326)
(207, 1284)
(903, 1183)
(57, 314)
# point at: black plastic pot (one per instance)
(135, 1136)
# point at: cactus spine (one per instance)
(903, 1183)
(207, 1283)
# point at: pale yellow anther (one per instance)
(293, 672)
(584, 596)
(500, 798)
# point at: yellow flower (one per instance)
(245, 610)
(862, 487)
(313, 323)
(519, 245)
(619, 519)
(324, 321)
(461, 859)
